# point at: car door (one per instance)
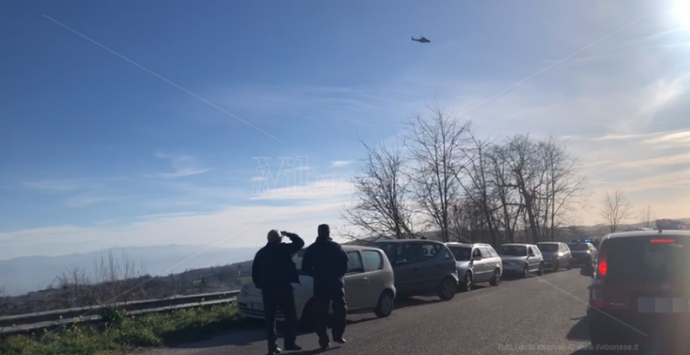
(431, 264)
(373, 266)
(478, 264)
(404, 259)
(356, 283)
(486, 264)
(532, 259)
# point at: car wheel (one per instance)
(541, 269)
(447, 288)
(466, 283)
(384, 307)
(308, 319)
(525, 272)
(570, 265)
(496, 279)
(556, 266)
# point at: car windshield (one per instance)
(548, 247)
(647, 258)
(461, 253)
(579, 247)
(512, 250)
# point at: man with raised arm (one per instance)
(274, 272)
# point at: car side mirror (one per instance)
(587, 270)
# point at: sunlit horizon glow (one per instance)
(681, 12)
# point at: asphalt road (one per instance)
(539, 315)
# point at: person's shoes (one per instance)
(324, 346)
(274, 351)
(292, 347)
(340, 340)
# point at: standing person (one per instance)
(326, 262)
(273, 272)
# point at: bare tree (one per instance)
(647, 216)
(477, 188)
(382, 194)
(502, 180)
(116, 277)
(615, 208)
(438, 147)
(522, 157)
(74, 288)
(5, 302)
(564, 184)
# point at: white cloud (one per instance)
(183, 165)
(85, 200)
(56, 185)
(239, 226)
(339, 163)
(325, 189)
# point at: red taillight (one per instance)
(662, 241)
(601, 268)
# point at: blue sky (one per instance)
(143, 123)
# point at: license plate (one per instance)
(663, 305)
(258, 306)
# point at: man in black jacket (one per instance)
(273, 272)
(326, 262)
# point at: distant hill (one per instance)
(25, 274)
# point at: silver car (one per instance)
(556, 255)
(521, 259)
(369, 286)
(476, 263)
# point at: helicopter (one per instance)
(421, 39)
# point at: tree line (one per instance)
(439, 175)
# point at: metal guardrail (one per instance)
(42, 320)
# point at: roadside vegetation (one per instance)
(122, 332)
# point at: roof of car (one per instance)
(348, 247)
(669, 232)
(467, 245)
(517, 244)
(549, 242)
(407, 241)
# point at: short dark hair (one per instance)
(324, 230)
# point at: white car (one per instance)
(369, 286)
(521, 259)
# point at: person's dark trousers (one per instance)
(284, 300)
(323, 297)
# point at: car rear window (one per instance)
(548, 248)
(461, 253)
(579, 246)
(647, 258)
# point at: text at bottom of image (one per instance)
(565, 347)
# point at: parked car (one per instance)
(640, 288)
(369, 286)
(556, 255)
(421, 267)
(583, 253)
(476, 263)
(521, 259)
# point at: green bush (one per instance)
(126, 332)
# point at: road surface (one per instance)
(539, 315)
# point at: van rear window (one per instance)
(642, 258)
